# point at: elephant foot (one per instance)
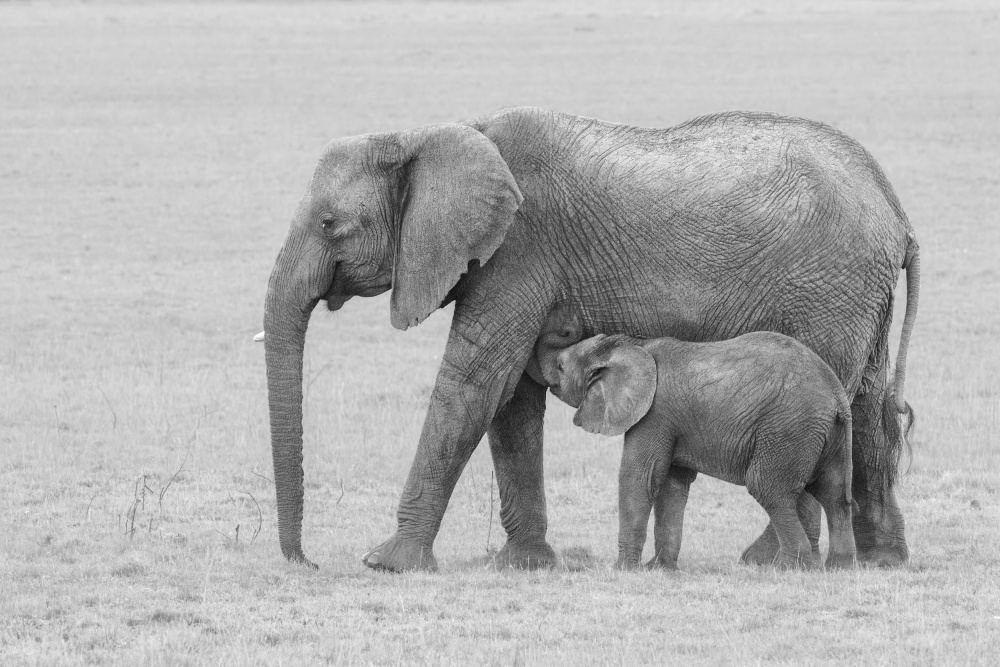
(883, 556)
(764, 550)
(525, 556)
(627, 564)
(658, 563)
(786, 561)
(401, 554)
(879, 547)
(840, 561)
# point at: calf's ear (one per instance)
(619, 392)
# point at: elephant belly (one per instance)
(726, 463)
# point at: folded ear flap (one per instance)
(458, 200)
(620, 392)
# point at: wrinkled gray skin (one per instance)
(725, 224)
(563, 327)
(760, 410)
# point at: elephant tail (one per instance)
(911, 263)
(844, 442)
(891, 413)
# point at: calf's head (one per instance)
(610, 380)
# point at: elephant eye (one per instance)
(327, 224)
(594, 375)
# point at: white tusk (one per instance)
(259, 338)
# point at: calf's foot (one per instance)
(764, 549)
(800, 561)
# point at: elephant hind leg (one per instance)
(829, 490)
(516, 445)
(794, 546)
(764, 549)
(879, 528)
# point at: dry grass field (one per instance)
(151, 156)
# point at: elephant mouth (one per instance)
(335, 302)
(566, 397)
(342, 288)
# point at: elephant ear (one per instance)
(458, 201)
(620, 391)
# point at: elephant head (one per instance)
(611, 381)
(408, 211)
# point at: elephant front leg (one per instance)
(456, 420)
(671, 500)
(516, 445)
(638, 482)
(482, 367)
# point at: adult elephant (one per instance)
(726, 224)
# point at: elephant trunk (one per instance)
(293, 291)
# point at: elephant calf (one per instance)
(760, 410)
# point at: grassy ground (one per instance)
(150, 158)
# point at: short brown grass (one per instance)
(151, 156)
